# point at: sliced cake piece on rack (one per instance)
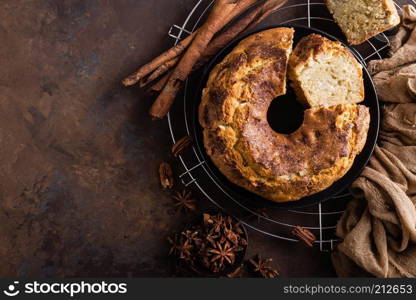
(363, 19)
(324, 72)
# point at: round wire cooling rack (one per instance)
(320, 219)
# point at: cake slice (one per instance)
(325, 73)
(363, 19)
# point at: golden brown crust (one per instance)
(316, 49)
(243, 146)
(308, 46)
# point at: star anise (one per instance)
(211, 237)
(184, 201)
(206, 219)
(213, 243)
(180, 247)
(228, 222)
(192, 236)
(231, 236)
(262, 267)
(235, 233)
(217, 223)
(222, 253)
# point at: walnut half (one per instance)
(181, 145)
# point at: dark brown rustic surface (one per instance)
(79, 191)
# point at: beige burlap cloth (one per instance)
(378, 228)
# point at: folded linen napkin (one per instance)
(395, 77)
(378, 227)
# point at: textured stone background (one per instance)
(79, 193)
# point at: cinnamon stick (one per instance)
(162, 69)
(245, 23)
(160, 84)
(173, 52)
(222, 12)
(266, 10)
(218, 43)
(304, 235)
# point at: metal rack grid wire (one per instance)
(322, 218)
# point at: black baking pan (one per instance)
(292, 118)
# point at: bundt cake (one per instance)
(238, 138)
(324, 72)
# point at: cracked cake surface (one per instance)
(241, 143)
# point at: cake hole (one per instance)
(285, 114)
